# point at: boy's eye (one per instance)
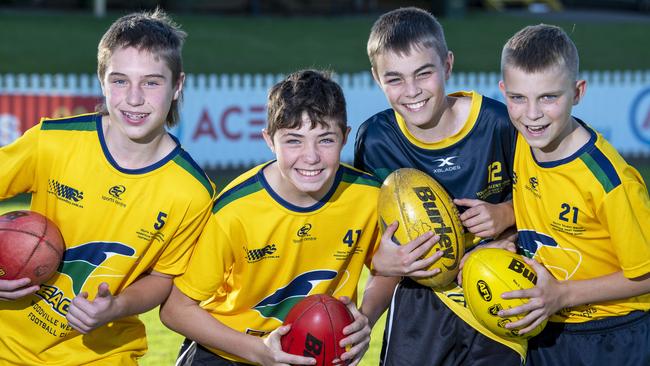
(393, 81)
(517, 98)
(549, 98)
(424, 75)
(118, 81)
(327, 141)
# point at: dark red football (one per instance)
(31, 246)
(317, 324)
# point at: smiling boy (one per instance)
(299, 225)
(121, 251)
(583, 215)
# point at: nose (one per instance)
(310, 154)
(135, 95)
(533, 111)
(412, 88)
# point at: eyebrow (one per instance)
(425, 66)
(293, 134)
(115, 73)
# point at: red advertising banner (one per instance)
(19, 112)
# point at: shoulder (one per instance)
(194, 173)
(355, 176)
(378, 123)
(82, 122)
(240, 188)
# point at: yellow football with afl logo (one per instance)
(420, 204)
(488, 273)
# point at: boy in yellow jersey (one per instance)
(299, 225)
(129, 201)
(466, 142)
(582, 213)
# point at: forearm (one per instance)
(184, 315)
(606, 288)
(377, 296)
(143, 295)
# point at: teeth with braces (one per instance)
(135, 115)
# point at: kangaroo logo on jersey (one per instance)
(65, 193)
(278, 304)
(531, 242)
(88, 260)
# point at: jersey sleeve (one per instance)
(360, 150)
(174, 258)
(18, 162)
(626, 212)
(209, 264)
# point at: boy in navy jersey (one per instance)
(463, 140)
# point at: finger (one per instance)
(423, 263)
(103, 290)
(291, 359)
(17, 294)
(517, 294)
(12, 285)
(77, 324)
(423, 240)
(390, 231)
(526, 321)
(467, 202)
(517, 310)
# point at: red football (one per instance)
(317, 324)
(31, 246)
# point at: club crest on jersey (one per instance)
(278, 304)
(86, 261)
(531, 242)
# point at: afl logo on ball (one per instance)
(484, 290)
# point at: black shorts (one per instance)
(422, 331)
(194, 354)
(620, 341)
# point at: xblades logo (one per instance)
(445, 161)
(116, 191)
(533, 182)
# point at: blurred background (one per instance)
(236, 49)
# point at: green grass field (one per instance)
(47, 42)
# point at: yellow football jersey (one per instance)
(259, 254)
(117, 224)
(583, 217)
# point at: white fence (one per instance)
(222, 115)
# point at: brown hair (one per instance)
(539, 47)
(401, 30)
(310, 91)
(154, 32)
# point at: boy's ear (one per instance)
(375, 75)
(502, 87)
(581, 88)
(449, 64)
(179, 85)
(268, 139)
(346, 133)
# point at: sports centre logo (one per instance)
(640, 116)
(278, 304)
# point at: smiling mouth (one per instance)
(415, 106)
(536, 129)
(309, 173)
(134, 116)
